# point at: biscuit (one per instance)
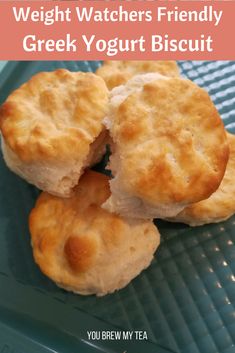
(50, 125)
(220, 205)
(169, 147)
(84, 248)
(116, 73)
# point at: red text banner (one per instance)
(97, 30)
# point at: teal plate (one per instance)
(184, 301)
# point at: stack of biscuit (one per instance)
(171, 158)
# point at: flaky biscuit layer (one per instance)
(170, 147)
(84, 248)
(220, 205)
(54, 116)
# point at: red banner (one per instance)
(98, 30)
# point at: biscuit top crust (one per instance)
(170, 142)
(54, 115)
(76, 236)
(116, 73)
(221, 204)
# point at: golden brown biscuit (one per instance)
(116, 73)
(170, 147)
(84, 248)
(220, 205)
(49, 126)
